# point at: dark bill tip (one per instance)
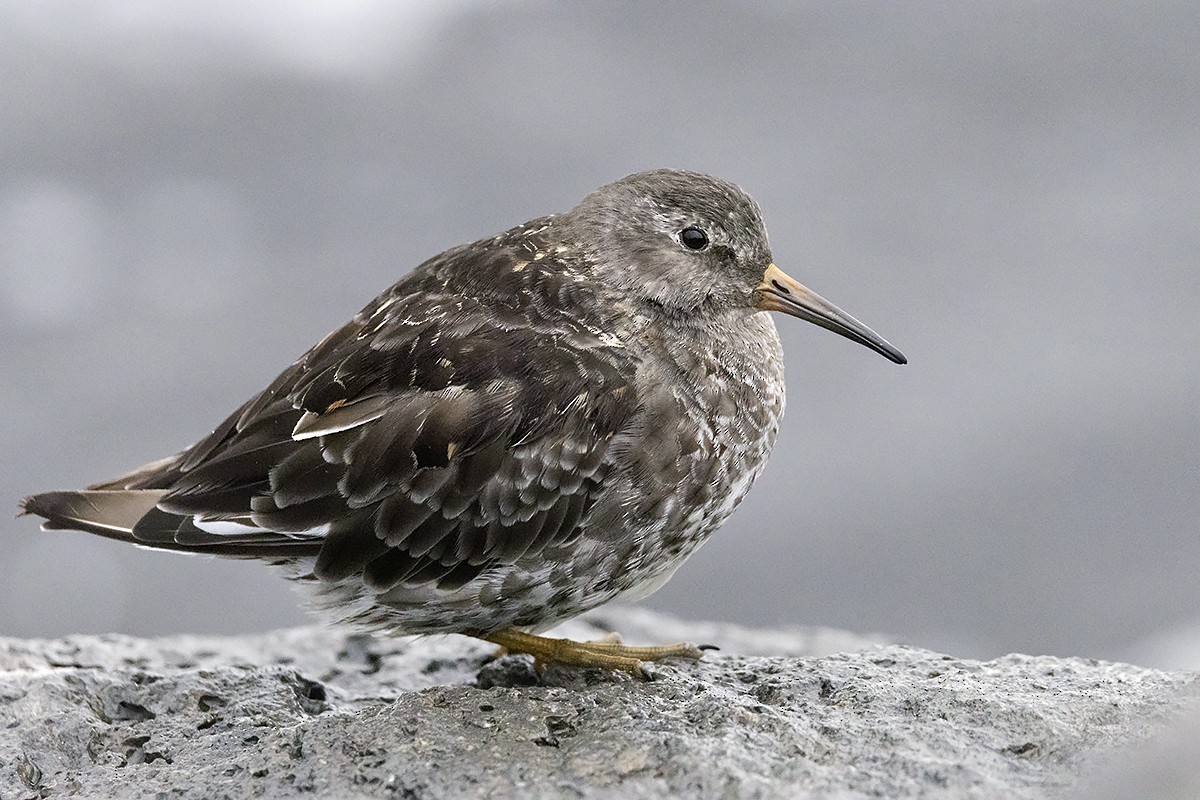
(781, 292)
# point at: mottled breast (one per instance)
(710, 406)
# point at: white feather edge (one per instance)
(311, 424)
(225, 527)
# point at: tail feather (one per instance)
(108, 512)
(148, 476)
(133, 516)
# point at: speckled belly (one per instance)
(677, 474)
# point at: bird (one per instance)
(519, 430)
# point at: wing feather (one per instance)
(460, 421)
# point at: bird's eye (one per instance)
(693, 238)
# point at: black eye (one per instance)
(693, 238)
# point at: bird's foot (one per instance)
(608, 652)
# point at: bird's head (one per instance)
(695, 245)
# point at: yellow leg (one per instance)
(607, 653)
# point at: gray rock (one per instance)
(773, 714)
(1167, 767)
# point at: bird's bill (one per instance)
(781, 292)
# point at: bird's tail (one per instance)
(106, 512)
(133, 516)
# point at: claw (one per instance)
(608, 652)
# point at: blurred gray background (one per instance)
(192, 193)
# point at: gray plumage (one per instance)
(519, 430)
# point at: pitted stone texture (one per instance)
(310, 710)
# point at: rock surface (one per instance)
(773, 714)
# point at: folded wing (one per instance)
(428, 440)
